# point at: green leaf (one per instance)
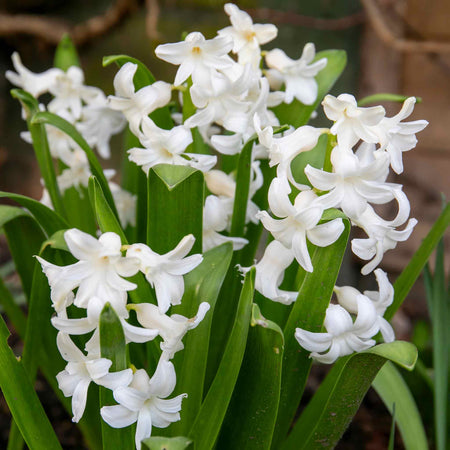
(308, 313)
(41, 148)
(48, 118)
(175, 207)
(165, 443)
(407, 278)
(24, 238)
(393, 390)
(391, 444)
(79, 212)
(143, 77)
(440, 315)
(66, 54)
(22, 400)
(56, 241)
(202, 284)
(209, 420)
(49, 220)
(113, 347)
(251, 416)
(328, 414)
(298, 114)
(243, 177)
(12, 310)
(315, 158)
(384, 97)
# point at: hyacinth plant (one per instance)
(186, 305)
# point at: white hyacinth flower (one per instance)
(98, 123)
(270, 273)
(144, 401)
(34, 83)
(98, 272)
(396, 136)
(197, 57)
(297, 75)
(77, 173)
(347, 297)
(247, 36)
(165, 272)
(137, 105)
(299, 221)
(353, 184)
(81, 370)
(342, 336)
(167, 147)
(171, 328)
(70, 92)
(352, 122)
(216, 218)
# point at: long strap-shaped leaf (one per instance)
(209, 420)
(22, 400)
(308, 312)
(12, 310)
(48, 219)
(113, 347)
(44, 117)
(393, 390)
(24, 238)
(41, 148)
(201, 285)
(175, 207)
(298, 114)
(251, 416)
(408, 277)
(328, 414)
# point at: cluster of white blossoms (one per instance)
(87, 109)
(232, 98)
(99, 278)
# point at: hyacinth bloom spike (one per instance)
(197, 57)
(298, 76)
(144, 402)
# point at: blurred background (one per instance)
(397, 46)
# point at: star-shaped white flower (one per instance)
(247, 36)
(144, 402)
(197, 57)
(342, 336)
(352, 122)
(165, 272)
(81, 370)
(297, 75)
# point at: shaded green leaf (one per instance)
(113, 347)
(22, 400)
(175, 207)
(12, 310)
(49, 220)
(41, 148)
(393, 390)
(384, 97)
(165, 443)
(252, 413)
(209, 420)
(201, 285)
(328, 414)
(308, 313)
(66, 54)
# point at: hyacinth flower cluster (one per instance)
(235, 118)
